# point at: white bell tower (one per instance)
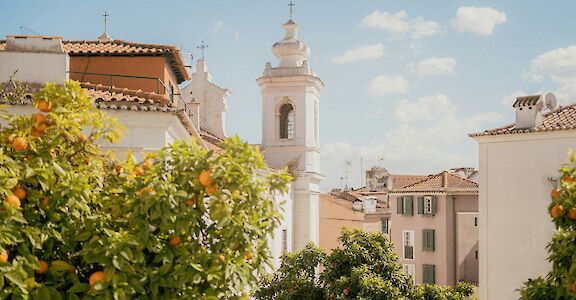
(290, 104)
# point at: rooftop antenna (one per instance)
(361, 172)
(202, 47)
(348, 164)
(291, 5)
(27, 31)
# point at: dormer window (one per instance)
(287, 121)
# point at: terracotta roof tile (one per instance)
(400, 181)
(441, 182)
(104, 93)
(562, 118)
(122, 48)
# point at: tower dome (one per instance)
(290, 51)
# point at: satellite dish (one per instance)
(549, 100)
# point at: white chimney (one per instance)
(35, 58)
(529, 109)
(369, 205)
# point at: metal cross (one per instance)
(202, 47)
(291, 5)
(105, 15)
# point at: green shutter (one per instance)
(434, 205)
(424, 239)
(420, 205)
(409, 205)
(428, 240)
(429, 274)
(432, 237)
(399, 205)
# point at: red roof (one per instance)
(441, 182)
(124, 48)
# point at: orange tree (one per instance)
(365, 267)
(560, 283)
(75, 223)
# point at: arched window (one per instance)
(287, 121)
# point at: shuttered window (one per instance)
(427, 205)
(385, 226)
(428, 240)
(408, 242)
(429, 274)
(405, 205)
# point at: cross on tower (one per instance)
(105, 15)
(291, 5)
(202, 47)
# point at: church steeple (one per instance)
(105, 37)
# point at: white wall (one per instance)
(514, 195)
(34, 67)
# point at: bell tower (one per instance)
(290, 106)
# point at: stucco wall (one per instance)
(514, 194)
(149, 66)
(334, 215)
(34, 67)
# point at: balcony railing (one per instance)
(161, 88)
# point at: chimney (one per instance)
(36, 59)
(529, 109)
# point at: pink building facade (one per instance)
(434, 227)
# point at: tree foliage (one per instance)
(560, 282)
(365, 267)
(183, 223)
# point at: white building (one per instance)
(519, 166)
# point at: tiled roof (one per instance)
(562, 118)
(123, 48)
(211, 141)
(441, 182)
(102, 93)
(400, 181)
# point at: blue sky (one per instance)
(405, 80)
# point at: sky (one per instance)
(405, 80)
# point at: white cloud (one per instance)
(384, 85)
(218, 27)
(399, 23)
(438, 143)
(360, 53)
(434, 66)
(479, 20)
(559, 66)
(425, 109)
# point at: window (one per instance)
(428, 242)
(408, 242)
(171, 91)
(386, 226)
(410, 270)
(284, 240)
(429, 274)
(427, 205)
(404, 205)
(287, 122)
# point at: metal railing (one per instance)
(111, 77)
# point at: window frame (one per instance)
(411, 243)
(409, 270)
(427, 271)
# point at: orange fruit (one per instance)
(346, 291)
(248, 255)
(96, 277)
(147, 164)
(4, 257)
(19, 144)
(40, 127)
(556, 211)
(555, 194)
(36, 133)
(39, 118)
(19, 192)
(44, 202)
(222, 258)
(45, 106)
(139, 171)
(82, 138)
(13, 201)
(211, 190)
(572, 213)
(573, 287)
(190, 202)
(175, 241)
(205, 178)
(43, 267)
(71, 270)
(568, 179)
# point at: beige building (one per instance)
(433, 225)
(341, 209)
(519, 166)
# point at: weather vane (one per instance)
(202, 47)
(291, 5)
